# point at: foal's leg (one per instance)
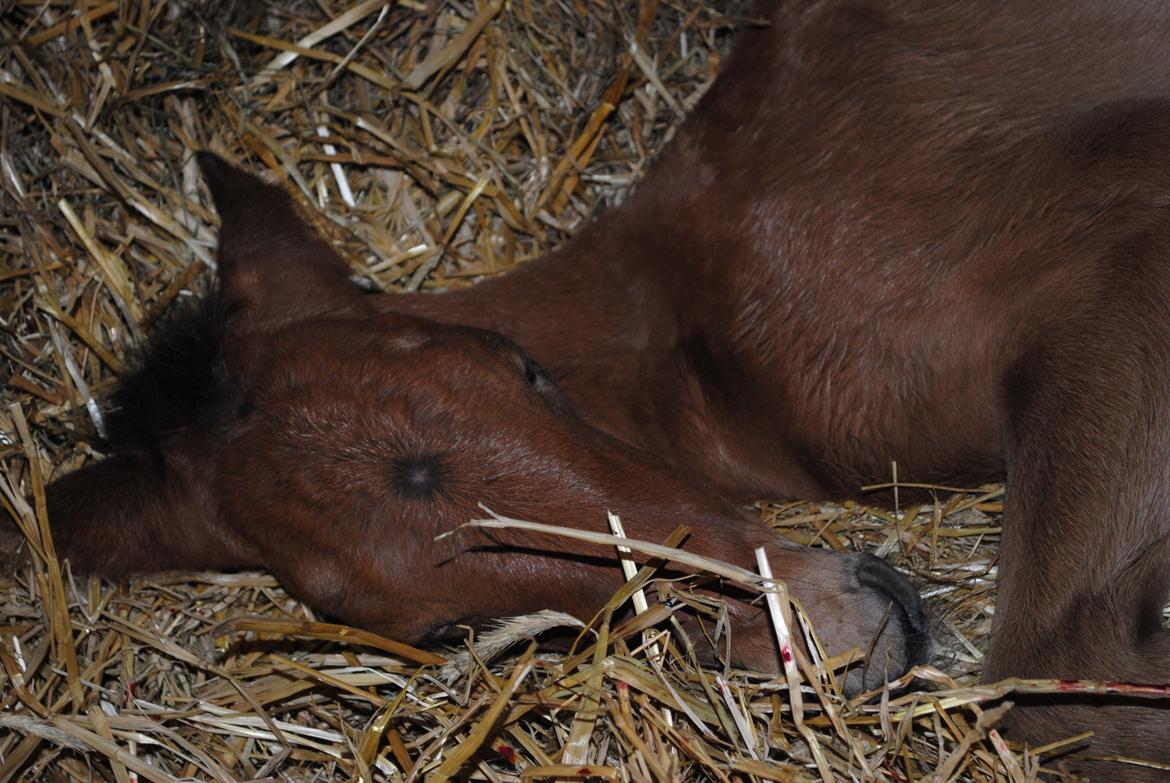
(1085, 559)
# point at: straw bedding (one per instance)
(437, 142)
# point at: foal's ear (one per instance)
(125, 514)
(270, 262)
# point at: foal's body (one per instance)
(919, 232)
(870, 221)
(922, 232)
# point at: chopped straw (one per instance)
(436, 143)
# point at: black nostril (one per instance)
(877, 574)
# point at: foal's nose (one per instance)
(905, 602)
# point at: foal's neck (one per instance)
(617, 318)
(595, 314)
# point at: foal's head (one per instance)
(289, 423)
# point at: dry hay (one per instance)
(441, 141)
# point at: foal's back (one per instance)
(893, 203)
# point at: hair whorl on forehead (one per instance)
(419, 477)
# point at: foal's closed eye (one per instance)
(532, 373)
(541, 382)
(537, 377)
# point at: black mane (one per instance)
(177, 381)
